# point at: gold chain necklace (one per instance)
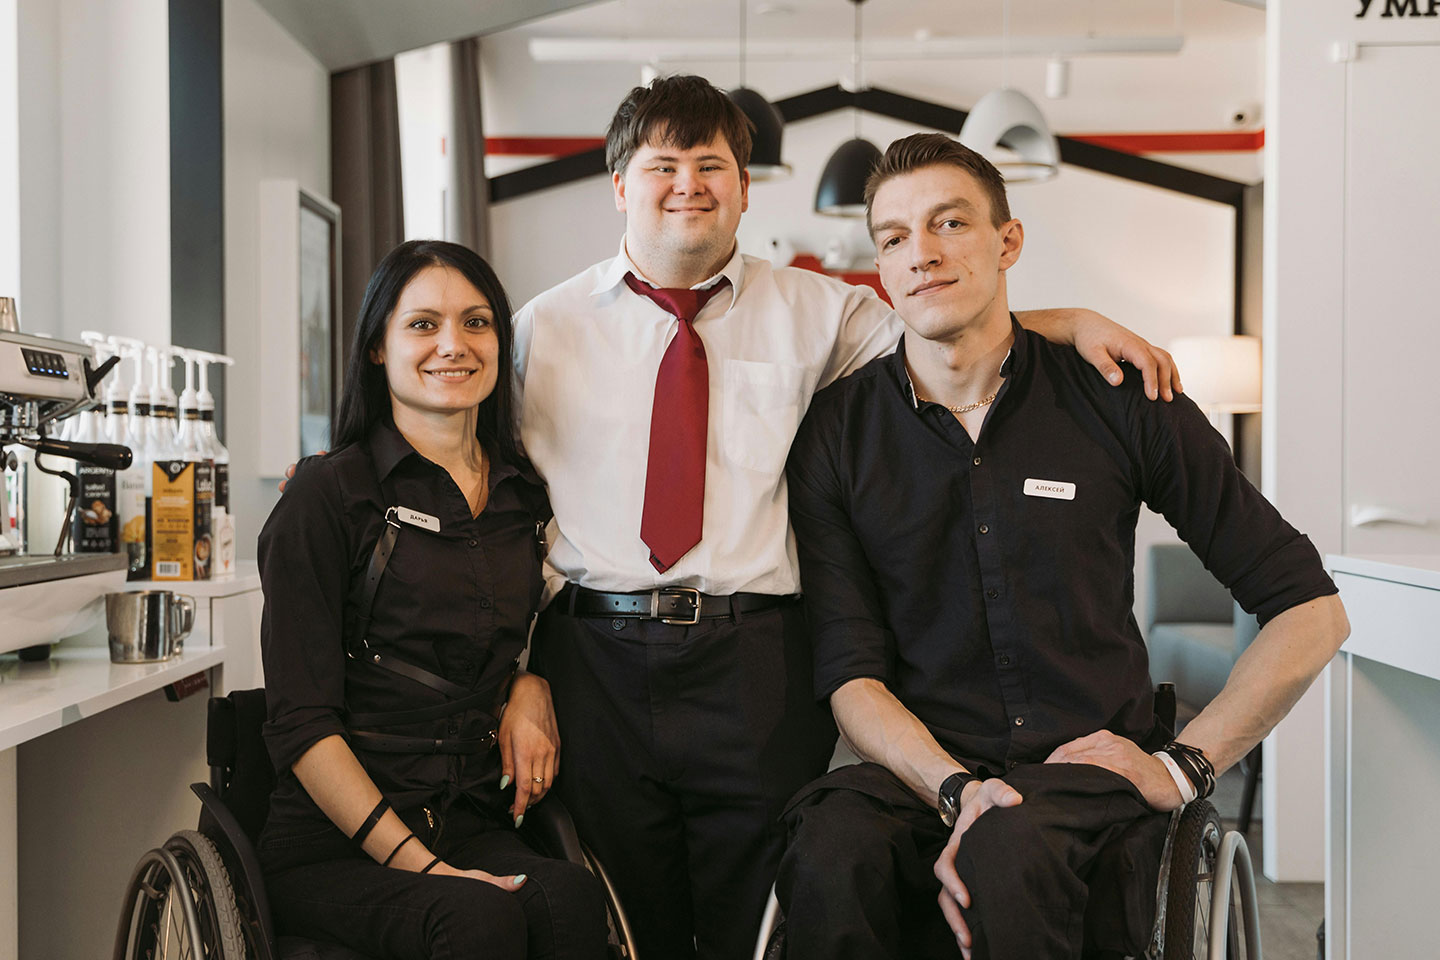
(967, 407)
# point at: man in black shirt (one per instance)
(965, 513)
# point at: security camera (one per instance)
(1244, 115)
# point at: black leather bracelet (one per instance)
(370, 821)
(1195, 765)
(429, 866)
(408, 838)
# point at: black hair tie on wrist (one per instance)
(429, 866)
(370, 821)
(408, 838)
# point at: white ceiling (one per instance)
(345, 33)
(900, 19)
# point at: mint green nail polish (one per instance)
(505, 781)
(519, 879)
(519, 820)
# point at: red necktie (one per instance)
(675, 474)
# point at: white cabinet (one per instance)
(1392, 300)
(1382, 769)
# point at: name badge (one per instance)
(417, 519)
(1052, 489)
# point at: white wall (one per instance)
(277, 125)
(9, 150)
(95, 163)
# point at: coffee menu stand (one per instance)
(78, 683)
(1382, 760)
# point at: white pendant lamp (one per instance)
(1008, 129)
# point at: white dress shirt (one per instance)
(586, 355)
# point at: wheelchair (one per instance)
(1202, 869)
(200, 895)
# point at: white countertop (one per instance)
(1393, 603)
(1417, 570)
(245, 578)
(79, 681)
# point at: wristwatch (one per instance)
(950, 795)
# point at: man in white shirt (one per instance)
(660, 394)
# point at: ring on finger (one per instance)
(537, 779)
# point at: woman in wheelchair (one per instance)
(401, 574)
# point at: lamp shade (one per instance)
(1221, 374)
(1007, 118)
(768, 127)
(841, 192)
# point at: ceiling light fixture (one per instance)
(767, 126)
(1008, 129)
(841, 191)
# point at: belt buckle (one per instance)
(694, 599)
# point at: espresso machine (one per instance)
(42, 382)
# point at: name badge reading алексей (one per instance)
(1053, 489)
(417, 519)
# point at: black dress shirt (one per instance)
(1003, 619)
(457, 602)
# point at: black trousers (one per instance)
(680, 747)
(322, 888)
(1070, 872)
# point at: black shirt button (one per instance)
(1004, 660)
(977, 461)
(984, 528)
(1019, 721)
(1012, 764)
(992, 593)
(485, 603)
(474, 543)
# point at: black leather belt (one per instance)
(675, 605)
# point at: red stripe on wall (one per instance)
(1227, 142)
(540, 146)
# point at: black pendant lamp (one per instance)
(841, 192)
(767, 126)
(842, 184)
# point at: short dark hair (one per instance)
(682, 112)
(936, 149)
(365, 396)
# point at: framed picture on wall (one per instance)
(320, 340)
(299, 323)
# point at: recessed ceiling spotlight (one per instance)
(771, 9)
(923, 34)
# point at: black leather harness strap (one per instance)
(394, 743)
(459, 699)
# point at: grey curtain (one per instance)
(364, 176)
(467, 205)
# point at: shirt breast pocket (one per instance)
(761, 413)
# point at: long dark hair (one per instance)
(365, 397)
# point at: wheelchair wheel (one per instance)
(1188, 928)
(180, 906)
(770, 944)
(621, 941)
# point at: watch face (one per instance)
(947, 811)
